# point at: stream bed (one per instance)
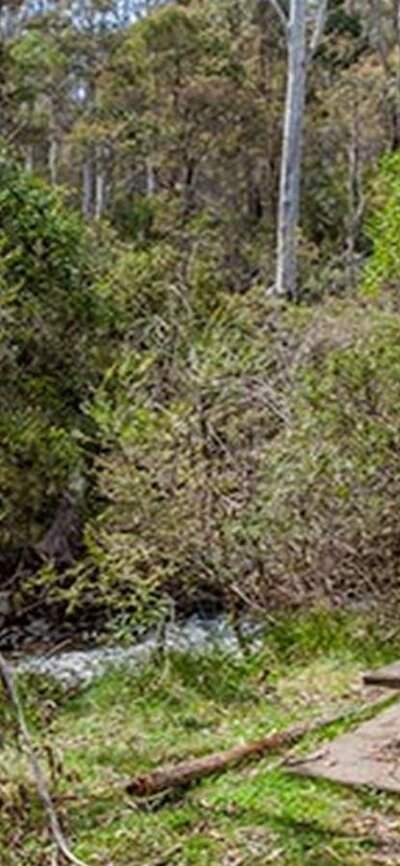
(79, 668)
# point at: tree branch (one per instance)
(281, 15)
(319, 26)
(41, 786)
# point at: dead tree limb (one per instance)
(183, 774)
(38, 775)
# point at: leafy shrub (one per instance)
(184, 461)
(271, 476)
(51, 321)
(383, 229)
(250, 450)
(328, 497)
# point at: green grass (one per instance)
(93, 742)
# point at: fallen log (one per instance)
(183, 774)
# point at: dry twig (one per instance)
(38, 775)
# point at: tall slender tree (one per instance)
(300, 51)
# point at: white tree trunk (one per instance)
(53, 161)
(99, 183)
(355, 196)
(150, 178)
(99, 197)
(289, 196)
(87, 187)
(29, 158)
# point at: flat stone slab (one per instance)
(368, 756)
(388, 676)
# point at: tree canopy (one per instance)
(169, 431)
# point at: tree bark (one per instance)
(99, 184)
(289, 196)
(150, 178)
(87, 186)
(396, 137)
(53, 160)
(355, 196)
(29, 158)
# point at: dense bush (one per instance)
(168, 433)
(328, 499)
(185, 462)
(51, 322)
(249, 450)
(270, 476)
(383, 229)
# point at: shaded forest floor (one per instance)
(182, 706)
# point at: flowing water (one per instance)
(79, 668)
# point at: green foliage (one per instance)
(131, 721)
(383, 229)
(340, 21)
(184, 421)
(258, 463)
(50, 323)
(249, 451)
(232, 448)
(331, 483)
(37, 53)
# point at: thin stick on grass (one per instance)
(38, 775)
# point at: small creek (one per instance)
(79, 668)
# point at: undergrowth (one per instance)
(181, 706)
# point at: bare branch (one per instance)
(8, 680)
(281, 15)
(378, 36)
(319, 26)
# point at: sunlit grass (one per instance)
(182, 707)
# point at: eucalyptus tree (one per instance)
(300, 51)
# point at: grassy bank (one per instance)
(179, 707)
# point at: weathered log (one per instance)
(183, 774)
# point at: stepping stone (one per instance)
(388, 676)
(368, 756)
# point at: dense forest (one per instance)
(177, 430)
(199, 432)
